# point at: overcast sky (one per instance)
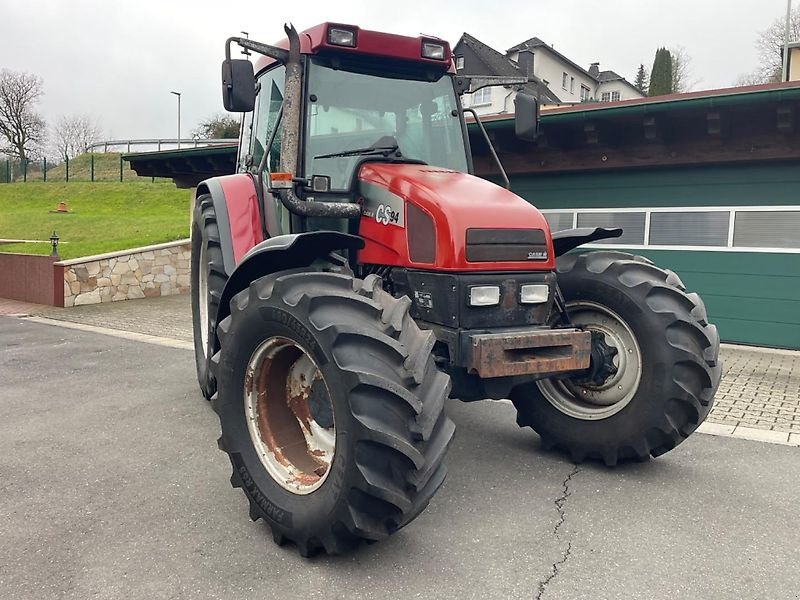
(118, 60)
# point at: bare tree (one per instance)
(21, 127)
(770, 45)
(682, 80)
(73, 134)
(218, 126)
(756, 77)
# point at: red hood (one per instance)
(456, 202)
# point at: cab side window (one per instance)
(245, 135)
(270, 98)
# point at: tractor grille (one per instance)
(497, 245)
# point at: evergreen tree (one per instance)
(661, 74)
(642, 78)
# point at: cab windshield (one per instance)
(353, 115)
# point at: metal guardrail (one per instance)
(156, 144)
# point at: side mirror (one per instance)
(526, 117)
(238, 85)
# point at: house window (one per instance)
(482, 97)
(585, 91)
(695, 228)
(632, 224)
(564, 79)
(767, 229)
(559, 221)
(459, 62)
(610, 96)
(571, 85)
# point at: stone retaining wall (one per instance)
(159, 270)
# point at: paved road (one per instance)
(111, 487)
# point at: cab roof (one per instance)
(314, 41)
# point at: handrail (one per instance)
(189, 142)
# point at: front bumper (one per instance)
(535, 351)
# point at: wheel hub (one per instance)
(601, 365)
(289, 415)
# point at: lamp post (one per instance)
(54, 245)
(178, 94)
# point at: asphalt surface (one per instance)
(111, 486)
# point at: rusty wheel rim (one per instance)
(289, 415)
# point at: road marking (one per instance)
(768, 436)
(126, 335)
(760, 349)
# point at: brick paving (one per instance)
(167, 316)
(760, 388)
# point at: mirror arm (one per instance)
(278, 54)
(506, 182)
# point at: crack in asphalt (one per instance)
(560, 503)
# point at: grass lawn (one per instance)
(103, 216)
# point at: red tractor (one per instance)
(353, 276)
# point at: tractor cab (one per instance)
(360, 96)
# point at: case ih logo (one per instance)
(385, 215)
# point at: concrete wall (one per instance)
(159, 270)
(29, 278)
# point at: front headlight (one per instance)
(536, 293)
(484, 295)
(433, 51)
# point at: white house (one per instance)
(554, 78)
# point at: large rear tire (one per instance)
(667, 363)
(208, 281)
(331, 408)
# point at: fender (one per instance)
(282, 252)
(569, 239)
(238, 216)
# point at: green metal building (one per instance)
(706, 184)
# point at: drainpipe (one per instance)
(785, 76)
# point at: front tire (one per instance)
(340, 433)
(208, 282)
(666, 360)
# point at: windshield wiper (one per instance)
(384, 150)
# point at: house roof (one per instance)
(494, 60)
(501, 65)
(535, 42)
(602, 77)
(608, 76)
